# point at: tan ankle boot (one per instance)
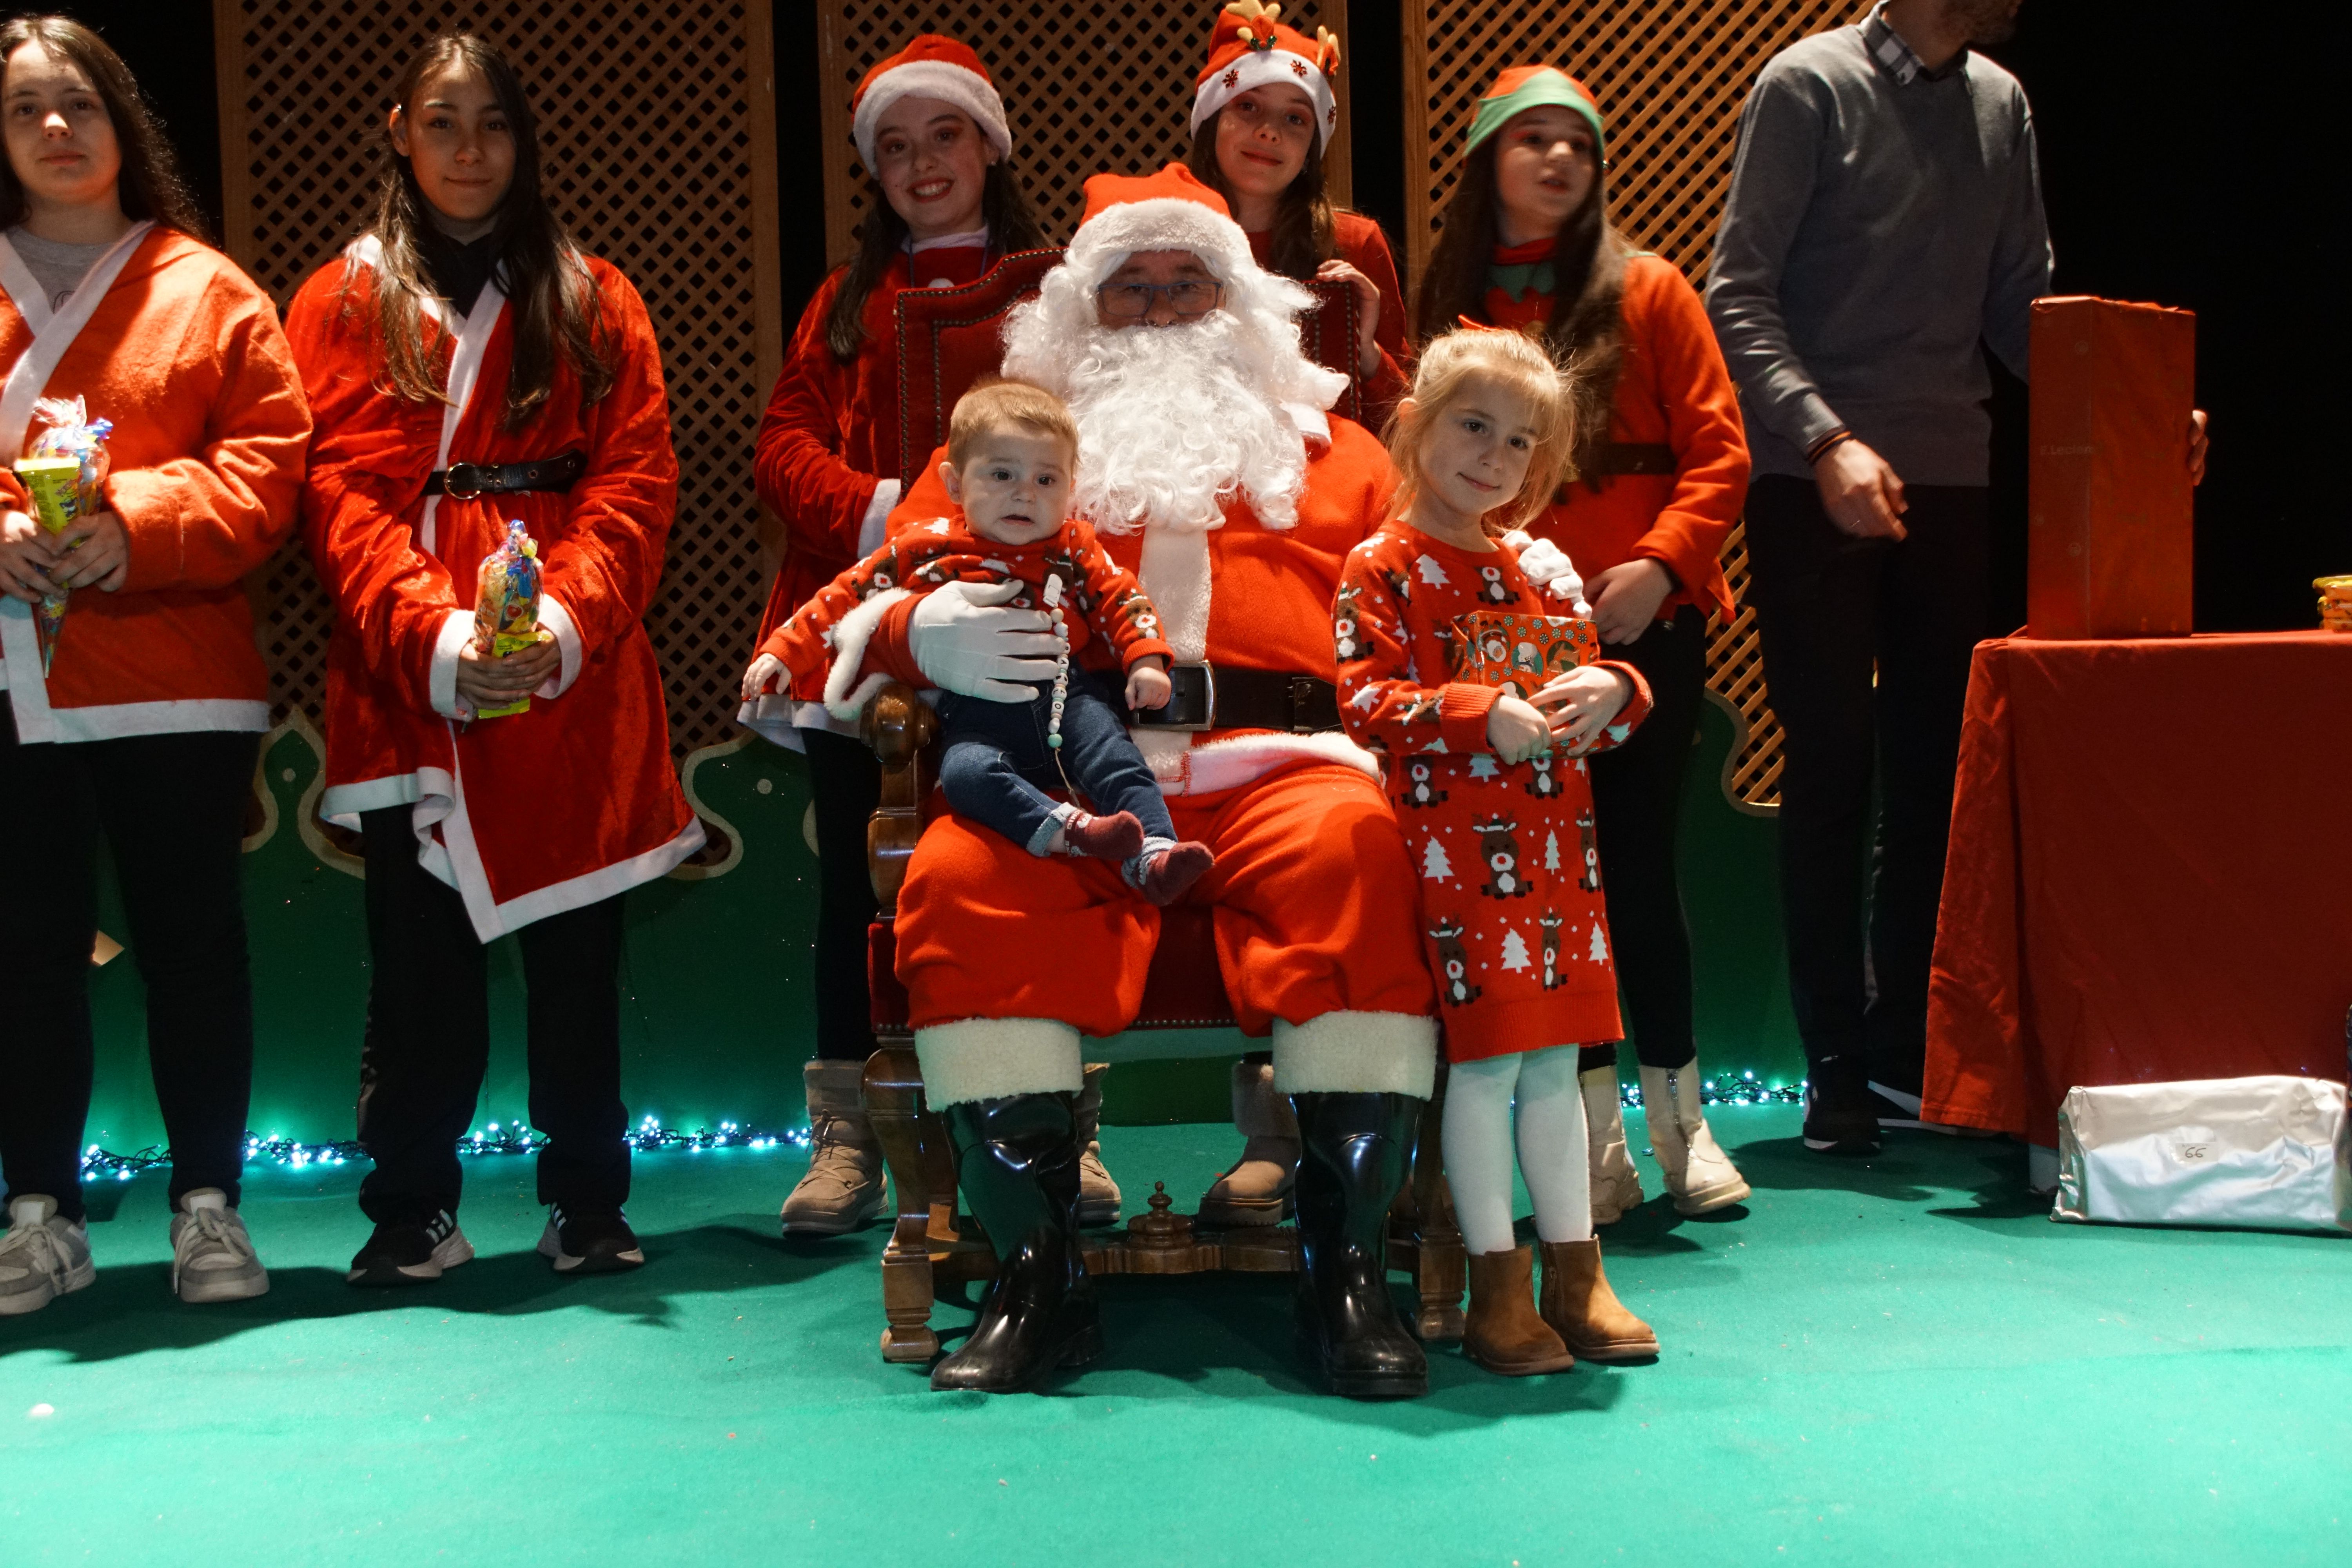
(843, 1189)
(1584, 1311)
(1098, 1195)
(1699, 1175)
(1257, 1189)
(1616, 1185)
(1504, 1333)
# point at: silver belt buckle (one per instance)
(462, 481)
(1191, 699)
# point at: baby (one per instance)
(1012, 452)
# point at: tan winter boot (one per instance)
(1504, 1333)
(843, 1189)
(1098, 1197)
(1699, 1175)
(1616, 1185)
(1257, 1189)
(1584, 1311)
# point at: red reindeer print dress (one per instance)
(1511, 911)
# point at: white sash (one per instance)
(54, 333)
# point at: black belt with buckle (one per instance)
(1628, 458)
(464, 481)
(1207, 697)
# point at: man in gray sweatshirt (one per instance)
(1885, 218)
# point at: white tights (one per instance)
(1551, 1154)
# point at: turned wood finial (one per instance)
(1160, 1228)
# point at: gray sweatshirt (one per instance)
(1876, 231)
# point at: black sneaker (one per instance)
(1841, 1114)
(411, 1251)
(589, 1241)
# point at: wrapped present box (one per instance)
(1520, 653)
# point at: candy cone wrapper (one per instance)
(506, 605)
(54, 487)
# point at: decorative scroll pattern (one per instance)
(1670, 75)
(1089, 85)
(658, 128)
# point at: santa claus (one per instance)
(1209, 464)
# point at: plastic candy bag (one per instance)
(506, 605)
(62, 469)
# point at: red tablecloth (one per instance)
(2148, 877)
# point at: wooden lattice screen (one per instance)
(1670, 76)
(1087, 86)
(658, 129)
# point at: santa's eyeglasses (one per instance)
(1191, 297)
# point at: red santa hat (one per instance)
(1170, 210)
(1249, 48)
(928, 67)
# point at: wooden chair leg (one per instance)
(894, 1105)
(1441, 1268)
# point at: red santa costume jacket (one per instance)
(575, 800)
(167, 339)
(1506, 851)
(1363, 246)
(823, 645)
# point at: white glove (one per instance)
(965, 641)
(1547, 566)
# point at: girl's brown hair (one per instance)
(1003, 208)
(557, 312)
(1304, 234)
(1585, 334)
(1450, 365)
(149, 185)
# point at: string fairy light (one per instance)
(647, 1137)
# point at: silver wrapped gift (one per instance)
(2269, 1153)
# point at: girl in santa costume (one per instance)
(135, 715)
(469, 367)
(1661, 471)
(1451, 663)
(1263, 117)
(943, 207)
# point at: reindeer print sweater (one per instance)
(1511, 912)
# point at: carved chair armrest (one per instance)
(900, 726)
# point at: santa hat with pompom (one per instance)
(1249, 47)
(928, 67)
(1170, 210)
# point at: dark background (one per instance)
(2184, 160)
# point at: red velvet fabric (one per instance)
(2141, 882)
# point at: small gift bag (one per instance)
(61, 472)
(1520, 653)
(505, 606)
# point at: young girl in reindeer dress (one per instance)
(1474, 685)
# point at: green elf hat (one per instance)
(1522, 88)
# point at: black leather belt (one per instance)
(1206, 697)
(1629, 457)
(464, 481)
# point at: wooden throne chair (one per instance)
(947, 340)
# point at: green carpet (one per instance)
(1897, 1362)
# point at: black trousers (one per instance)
(1637, 796)
(172, 810)
(428, 1038)
(846, 785)
(997, 765)
(1867, 650)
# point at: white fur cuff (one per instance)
(1357, 1053)
(441, 684)
(566, 632)
(844, 693)
(989, 1058)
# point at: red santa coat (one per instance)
(826, 458)
(1361, 244)
(576, 800)
(172, 342)
(1510, 872)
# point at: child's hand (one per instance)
(1147, 685)
(492, 680)
(1517, 730)
(1581, 703)
(763, 671)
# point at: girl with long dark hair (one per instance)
(135, 715)
(943, 207)
(1660, 470)
(470, 367)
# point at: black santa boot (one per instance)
(1357, 1148)
(1017, 1162)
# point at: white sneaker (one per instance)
(42, 1257)
(1616, 1185)
(212, 1257)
